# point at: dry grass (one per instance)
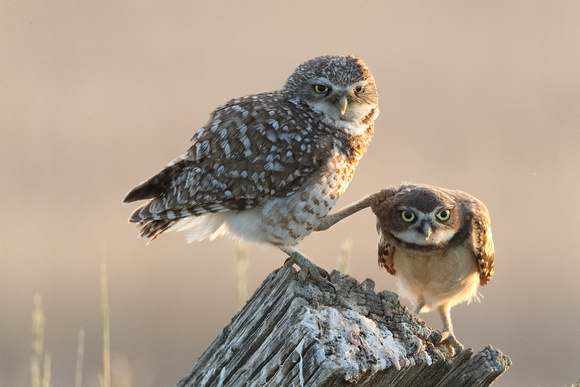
(242, 264)
(40, 361)
(345, 256)
(80, 359)
(105, 378)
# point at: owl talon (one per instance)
(320, 275)
(449, 339)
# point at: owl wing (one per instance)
(386, 250)
(251, 148)
(385, 253)
(482, 242)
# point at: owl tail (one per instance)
(152, 225)
(153, 228)
(208, 226)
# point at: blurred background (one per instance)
(98, 96)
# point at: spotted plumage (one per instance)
(268, 167)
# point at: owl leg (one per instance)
(307, 267)
(447, 334)
(332, 219)
(367, 201)
(419, 304)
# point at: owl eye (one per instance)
(359, 89)
(444, 215)
(407, 216)
(321, 89)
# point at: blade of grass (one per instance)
(37, 342)
(80, 357)
(106, 377)
(46, 376)
(345, 256)
(242, 264)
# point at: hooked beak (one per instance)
(342, 104)
(426, 230)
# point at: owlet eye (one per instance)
(444, 215)
(321, 89)
(359, 89)
(407, 216)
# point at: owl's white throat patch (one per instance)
(352, 120)
(353, 127)
(439, 236)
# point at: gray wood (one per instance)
(293, 331)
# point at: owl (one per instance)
(267, 168)
(436, 241)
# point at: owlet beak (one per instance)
(427, 230)
(342, 104)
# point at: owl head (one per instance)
(422, 216)
(340, 87)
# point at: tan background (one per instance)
(97, 96)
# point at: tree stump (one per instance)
(294, 331)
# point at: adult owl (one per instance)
(268, 167)
(436, 241)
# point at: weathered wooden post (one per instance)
(296, 332)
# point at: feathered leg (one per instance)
(447, 334)
(367, 201)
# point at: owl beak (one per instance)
(426, 230)
(342, 104)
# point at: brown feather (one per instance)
(483, 246)
(386, 252)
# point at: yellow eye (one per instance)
(407, 216)
(359, 89)
(444, 215)
(321, 89)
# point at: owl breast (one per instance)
(285, 221)
(438, 276)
